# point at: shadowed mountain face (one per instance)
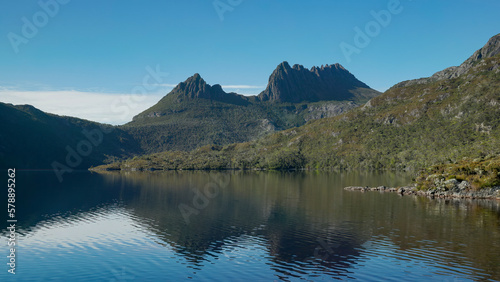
(196, 114)
(32, 139)
(196, 88)
(286, 85)
(192, 115)
(298, 84)
(413, 125)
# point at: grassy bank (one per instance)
(474, 174)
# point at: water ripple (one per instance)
(284, 231)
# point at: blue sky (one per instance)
(102, 48)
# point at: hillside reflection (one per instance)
(307, 219)
(303, 221)
(273, 206)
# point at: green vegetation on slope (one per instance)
(195, 113)
(32, 139)
(192, 115)
(187, 124)
(405, 128)
(479, 173)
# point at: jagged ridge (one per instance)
(297, 84)
(194, 113)
(489, 50)
(404, 128)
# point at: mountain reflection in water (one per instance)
(248, 225)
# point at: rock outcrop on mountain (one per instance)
(298, 84)
(491, 49)
(192, 115)
(195, 113)
(454, 123)
(195, 87)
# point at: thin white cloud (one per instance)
(247, 90)
(223, 86)
(242, 87)
(166, 85)
(101, 107)
(111, 108)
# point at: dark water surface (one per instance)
(248, 226)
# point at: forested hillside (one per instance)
(412, 125)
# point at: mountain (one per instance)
(298, 84)
(410, 126)
(192, 115)
(32, 139)
(195, 113)
(195, 88)
(491, 49)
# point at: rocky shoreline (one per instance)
(492, 193)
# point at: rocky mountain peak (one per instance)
(196, 87)
(282, 69)
(491, 49)
(284, 65)
(299, 84)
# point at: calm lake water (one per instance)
(252, 226)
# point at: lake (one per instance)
(253, 226)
